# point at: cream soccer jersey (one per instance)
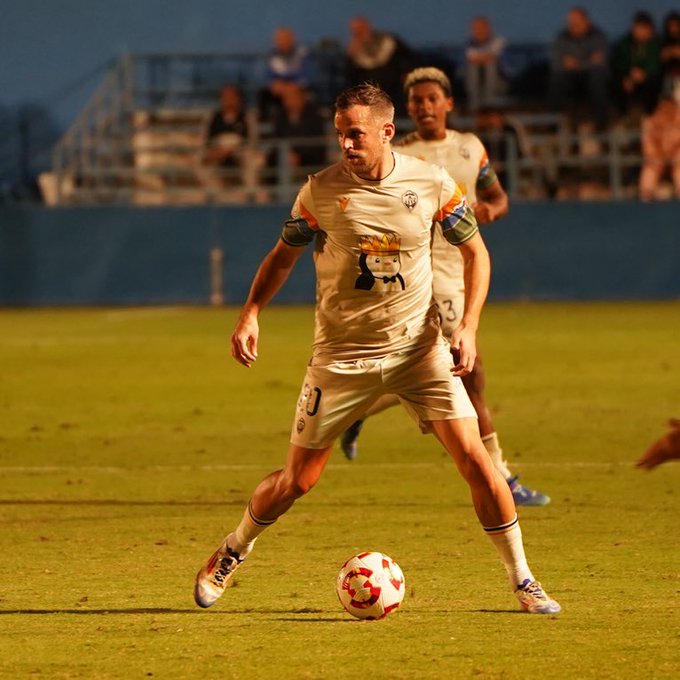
(465, 158)
(372, 254)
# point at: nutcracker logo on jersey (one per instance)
(380, 262)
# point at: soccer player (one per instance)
(429, 101)
(376, 330)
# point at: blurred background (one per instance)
(215, 111)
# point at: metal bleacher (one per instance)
(140, 139)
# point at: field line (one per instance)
(345, 467)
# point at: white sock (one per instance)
(495, 452)
(243, 538)
(508, 541)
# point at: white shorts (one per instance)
(334, 395)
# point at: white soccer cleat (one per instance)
(535, 600)
(215, 575)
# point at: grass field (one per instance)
(130, 442)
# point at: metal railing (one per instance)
(141, 137)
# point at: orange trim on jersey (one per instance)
(309, 218)
(452, 204)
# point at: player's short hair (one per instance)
(428, 74)
(366, 94)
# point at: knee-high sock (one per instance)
(250, 527)
(508, 541)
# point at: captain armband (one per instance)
(460, 225)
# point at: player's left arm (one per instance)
(477, 275)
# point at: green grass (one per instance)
(130, 442)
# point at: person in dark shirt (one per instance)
(229, 160)
(299, 120)
(670, 47)
(580, 75)
(227, 131)
(636, 66)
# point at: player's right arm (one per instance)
(269, 278)
(298, 232)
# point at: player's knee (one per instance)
(476, 469)
(296, 486)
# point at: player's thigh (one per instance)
(426, 387)
(332, 397)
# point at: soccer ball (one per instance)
(370, 585)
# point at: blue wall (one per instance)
(49, 47)
(132, 256)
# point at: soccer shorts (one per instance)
(334, 395)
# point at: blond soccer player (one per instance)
(376, 330)
(462, 154)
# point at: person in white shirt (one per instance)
(463, 155)
(376, 330)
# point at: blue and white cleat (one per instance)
(523, 495)
(348, 440)
(215, 575)
(535, 600)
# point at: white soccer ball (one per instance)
(370, 585)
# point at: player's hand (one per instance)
(464, 350)
(244, 339)
(483, 212)
(666, 448)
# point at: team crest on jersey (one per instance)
(380, 262)
(409, 199)
(465, 152)
(300, 425)
(343, 201)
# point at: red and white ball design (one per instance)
(370, 585)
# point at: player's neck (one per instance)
(381, 170)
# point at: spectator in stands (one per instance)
(485, 65)
(299, 120)
(288, 65)
(636, 67)
(661, 143)
(382, 58)
(579, 75)
(670, 47)
(228, 160)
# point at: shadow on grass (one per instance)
(163, 610)
(116, 502)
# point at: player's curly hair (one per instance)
(366, 94)
(428, 74)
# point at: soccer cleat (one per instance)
(535, 600)
(348, 441)
(213, 578)
(523, 495)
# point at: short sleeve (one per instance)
(302, 226)
(455, 216)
